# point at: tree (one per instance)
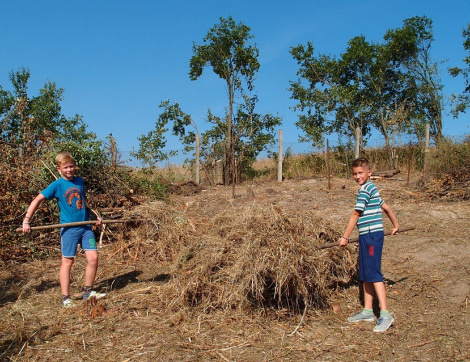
(386, 86)
(462, 101)
(227, 51)
(392, 86)
(252, 133)
(32, 123)
(151, 145)
(333, 98)
(423, 80)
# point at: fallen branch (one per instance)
(355, 240)
(78, 223)
(385, 173)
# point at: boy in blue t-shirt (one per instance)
(69, 191)
(367, 215)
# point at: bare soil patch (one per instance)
(144, 317)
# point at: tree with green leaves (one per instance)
(386, 87)
(32, 123)
(35, 127)
(330, 93)
(392, 86)
(252, 132)
(462, 101)
(152, 144)
(423, 78)
(227, 50)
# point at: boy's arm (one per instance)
(344, 240)
(30, 212)
(391, 215)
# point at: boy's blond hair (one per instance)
(63, 157)
(361, 162)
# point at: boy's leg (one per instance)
(381, 295)
(64, 275)
(91, 267)
(91, 252)
(368, 294)
(68, 245)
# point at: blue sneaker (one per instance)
(93, 294)
(358, 317)
(383, 323)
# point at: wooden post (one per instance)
(410, 149)
(327, 161)
(219, 172)
(197, 158)
(426, 148)
(395, 159)
(358, 142)
(279, 157)
(426, 155)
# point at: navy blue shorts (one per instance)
(370, 257)
(71, 237)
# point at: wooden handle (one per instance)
(355, 240)
(78, 223)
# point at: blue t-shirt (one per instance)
(70, 196)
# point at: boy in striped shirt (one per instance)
(367, 215)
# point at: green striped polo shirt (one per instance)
(369, 204)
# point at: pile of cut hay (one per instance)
(254, 257)
(158, 232)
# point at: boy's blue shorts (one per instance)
(370, 257)
(71, 237)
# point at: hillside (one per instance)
(144, 316)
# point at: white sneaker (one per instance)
(383, 323)
(68, 303)
(93, 294)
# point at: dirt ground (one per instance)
(426, 271)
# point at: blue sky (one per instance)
(117, 60)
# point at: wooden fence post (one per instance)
(410, 150)
(279, 157)
(327, 160)
(197, 158)
(219, 172)
(426, 155)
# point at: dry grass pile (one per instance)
(157, 232)
(250, 258)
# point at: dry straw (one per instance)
(251, 257)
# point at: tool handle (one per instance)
(78, 223)
(355, 240)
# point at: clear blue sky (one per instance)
(117, 60)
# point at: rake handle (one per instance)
(78, 223)
(355, 240)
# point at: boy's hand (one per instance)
(100, 222)
(343, 241)
(394, 231)
(26, 227)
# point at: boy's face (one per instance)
(67, 170)
(361, 174)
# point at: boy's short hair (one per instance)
(63, 157)
(361, 162)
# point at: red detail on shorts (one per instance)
(371, 250)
